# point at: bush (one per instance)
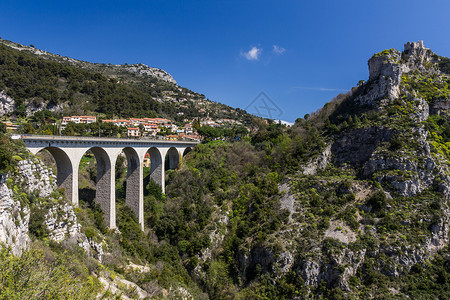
(2, 127)
(30, 277)
(5, 159)
(37, 225)
(378, 201)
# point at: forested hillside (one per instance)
(349, 203)
(37, 80)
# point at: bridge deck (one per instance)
(101, 139)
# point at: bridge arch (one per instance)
(185, 151)
(64, 170)
(172, 158)
(156, 165)
(105, 184)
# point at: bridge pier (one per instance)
(105, 193)
(157, 167)
(135, 183)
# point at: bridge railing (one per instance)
(91, 138)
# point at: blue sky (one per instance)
(299, 53)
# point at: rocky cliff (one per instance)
(30, 187)
(386, 154)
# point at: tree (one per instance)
(196, 124)
(141, 129)
(21, 110)
(209, 132)
(28, 128)
(2, 127)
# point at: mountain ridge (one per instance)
(138, 68)
(32, 80)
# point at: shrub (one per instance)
(36, 225)
(377, 201)
(5, 159)
(30, 277)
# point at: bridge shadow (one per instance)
(146, 180)
(87, 195)
(87, 201)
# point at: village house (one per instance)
(79, 119)
(132, 131)
(188, 129)
(172, 137)
(152, 126)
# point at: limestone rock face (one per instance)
(35, 177)
(440, 107)
(318, 163)
(385, 73)
(62, 225)
(356, 146)
(61, 222)
(337, 272)
(144, 70)
(35, 106)
(92, 248)
(386, 69)
(285, 262)
(13, 220)
(407, 256)
(310, 272)
(6, 103)
(385, 64)
(416, 54)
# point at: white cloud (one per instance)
(252, 54)
(278, 50)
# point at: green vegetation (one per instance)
(429, 87)
(39, 275)
(385, 52)
(439, 128)
(444, 64)
(25, 76)
(211, 133)
(94, 129)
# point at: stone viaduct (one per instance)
(68, 151)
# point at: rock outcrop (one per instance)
(144, 70)
(386, 69)
(138, 69)
(6, 103)
(34, 177)
(60, 220)
(14, 220)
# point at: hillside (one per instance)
(32, 80)
(352, 202)
(349, 203)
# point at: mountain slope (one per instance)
(361, 205)
(33, 80)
